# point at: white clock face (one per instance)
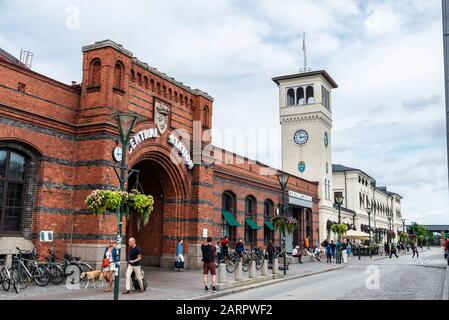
(301, 137)
(117, 153)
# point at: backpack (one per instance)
(207, 255)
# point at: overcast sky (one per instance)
(386, 56)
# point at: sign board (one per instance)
(205, 231)
(46, 236)
(300, 199)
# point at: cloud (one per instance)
(421, 103)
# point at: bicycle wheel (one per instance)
(5, 278)
(230, 265)
(21, 277)
(41, 275)
(259, 262)
(246, 260)
(15, 283)
(85, 267)
(56, 274)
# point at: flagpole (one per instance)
(304, 49)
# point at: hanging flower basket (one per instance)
(100, 201)
(339, 229)
(288, 224)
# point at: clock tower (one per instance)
(305, 111)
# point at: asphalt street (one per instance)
(400, 278)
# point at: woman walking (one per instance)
(179, 263)
(109, 260)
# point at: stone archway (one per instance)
(159, 177)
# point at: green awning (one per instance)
(252, 224)
(230, 219)
(269, 225)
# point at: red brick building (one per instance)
(57, 140)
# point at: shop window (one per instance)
(268, 210)
(95, 73)
(250, 213)
(13, 168)
(228, 203)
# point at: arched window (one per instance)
(300, 96)
(133, 75)
(250, 214)
(152, 85)
(191, 103)
(13, 171)
(228, 204)
(181, 98)
(139, 78)
(164, 90)
(176, 96)
(268, 212)
(158, 87)
(206, 118)
(95, 73)
(170, 93)
(290, 97)
(118, 75)
(310, 98)
(145, 82)
(186, 101)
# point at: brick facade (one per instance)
(67, 134)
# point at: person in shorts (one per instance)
(110, 253)
(209, 251)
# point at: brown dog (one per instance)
(91, 276)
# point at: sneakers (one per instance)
(214, 289)
(125, 292)
(206, 289)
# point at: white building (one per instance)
(305, 111)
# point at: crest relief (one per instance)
(162, 113)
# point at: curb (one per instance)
(263, 284)
(446, 285)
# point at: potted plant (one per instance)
(340, 229)
(285, 224)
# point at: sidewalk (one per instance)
(170, 285)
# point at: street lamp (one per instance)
(283, 180)
(403, 225)
(389, 230)
(369, 210)
(125, 123)
(339, 201)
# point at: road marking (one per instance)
(424, 262)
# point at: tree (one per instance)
(339, 229)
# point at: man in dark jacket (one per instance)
(209, 252)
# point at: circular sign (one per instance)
(117, 154)
(301, 137)
(301, 166)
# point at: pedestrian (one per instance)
(349, 249)
(219, 253)
(270, 252)
(333, 248)
(393, 250)
(110, 259)
(225, 248)
(407, 247)
(297, 254)
(329, 253)
(344, 252)
(415, 250)
(134, 259)
(209, 251)
(316, 253)
(386, 248)
(306, 243)
(179, 263)
(239, 248)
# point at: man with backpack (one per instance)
(209, 251)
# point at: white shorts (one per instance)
(111, 267)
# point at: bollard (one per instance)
(222, 273)
(275, 268)
(265, 268)
(238, 272)
(359, 253)
(252, 269)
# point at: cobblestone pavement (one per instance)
(164, 284)
(398, 279)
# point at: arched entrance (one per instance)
(161, 179)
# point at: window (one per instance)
(95, 73)
(300, 96)
(118, 75)
(133, 75)
(310, 98)
(228, 204)
(290, 97)
(206, 118)
(250, 213)
(268, 214)
(325, 99)
(12, 185)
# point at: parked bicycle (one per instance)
(54, 269)
(5, 277)
(67, 266)
(23, 270)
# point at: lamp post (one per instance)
(368, 210)
(283, 180)
(125, 123)
(403, 225)
(389, 230)
(339, 201)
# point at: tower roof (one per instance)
(307, 74)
